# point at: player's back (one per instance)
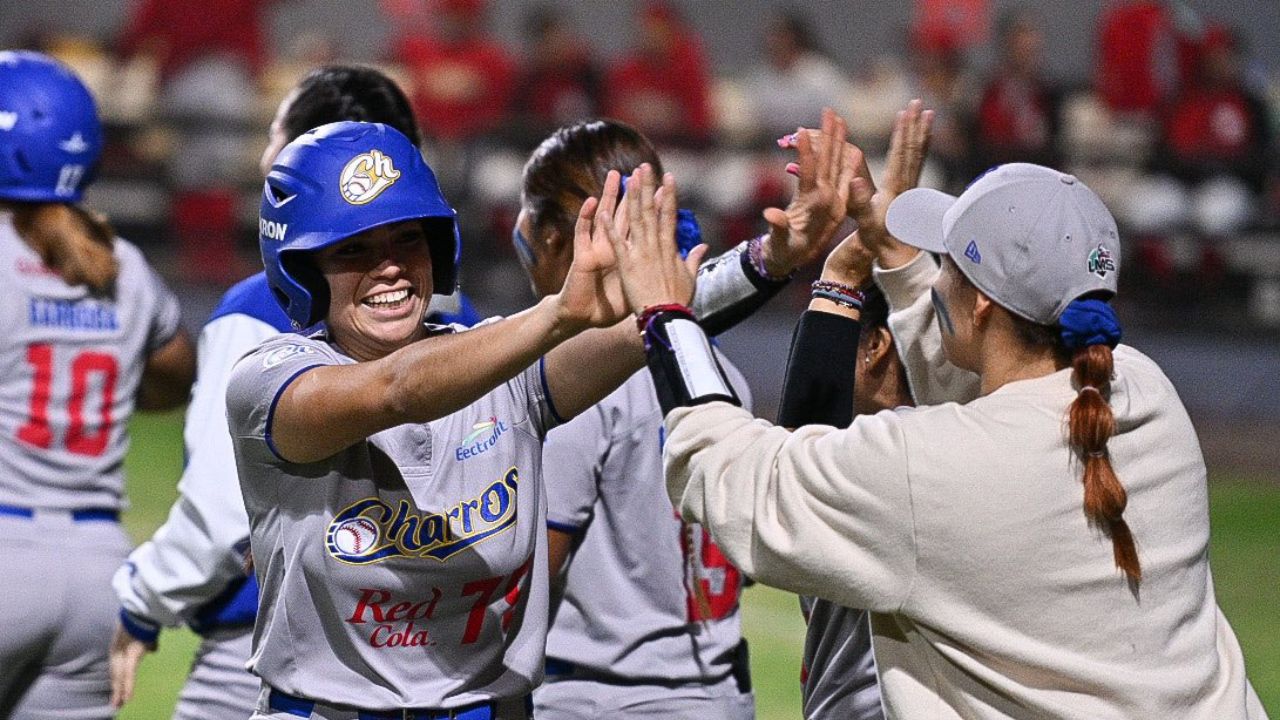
(70, 366)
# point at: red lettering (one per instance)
(84, 367)
(427, 608)
(373, 639)
(367, 602)
(408, 636)
(37, 432)
(513, 593)
(397, 611)
(419, 638)
(484, 590)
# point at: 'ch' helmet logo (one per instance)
(366, 176)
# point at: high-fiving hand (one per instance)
(804, 230)
(648, 262)
(868, 205)
(592, 295)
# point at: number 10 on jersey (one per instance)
(88, 370)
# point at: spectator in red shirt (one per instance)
(663, 88)
(1137, 56)
(1217, 126)
(177, 32)
(560, 83)
(1017, 119)
(463, 79)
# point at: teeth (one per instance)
(388, 298)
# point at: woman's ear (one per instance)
(983, 308)
(878, 347)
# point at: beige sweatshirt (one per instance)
(961, 528)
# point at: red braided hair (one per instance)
(1092, 423)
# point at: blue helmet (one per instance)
(50, 136)
(337, 181)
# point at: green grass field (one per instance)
(1246, 564)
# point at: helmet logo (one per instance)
(8, 120)
(366, 176)
(74, 144)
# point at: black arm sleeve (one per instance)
(685, 370)
(818, 388)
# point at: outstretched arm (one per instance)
(328, 408)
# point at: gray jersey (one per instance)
(839, 673)
(70, 366)
(408, 570)
(630, 609)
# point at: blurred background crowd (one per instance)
(1165, 107)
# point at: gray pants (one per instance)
(219, 688)
(575, 699)
(57, 611)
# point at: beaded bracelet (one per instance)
(755, 253)
(646, 316)
(839, 293)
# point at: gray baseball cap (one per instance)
(1031, 238)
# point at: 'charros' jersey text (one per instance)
(370, 530)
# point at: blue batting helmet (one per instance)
(50, 137)
(337, 181)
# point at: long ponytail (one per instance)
(1089, 329)
(1092, 423)
(70, 241)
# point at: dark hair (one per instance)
(571, 165)
(349, 92)
(1091, 422)
(875, 308)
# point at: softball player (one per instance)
(959, 526)
(89, 333)
(191, 571)
(391, 470)
(615, 543)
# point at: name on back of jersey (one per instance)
(82, 315)
(372, 530)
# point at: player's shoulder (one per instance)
(131, 258)
(271, 364)
(277, 349)
(252, 297)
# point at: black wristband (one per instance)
(730, 290)
(684, 368)
(819, 383)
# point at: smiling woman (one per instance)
(389, 464)
(379, 285)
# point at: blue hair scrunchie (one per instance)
(1089, 322)
(688, 232)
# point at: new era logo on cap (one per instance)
(972, 253)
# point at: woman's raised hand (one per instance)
(649, 264)
(912, 130)
(803, 231)
(592, 295)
